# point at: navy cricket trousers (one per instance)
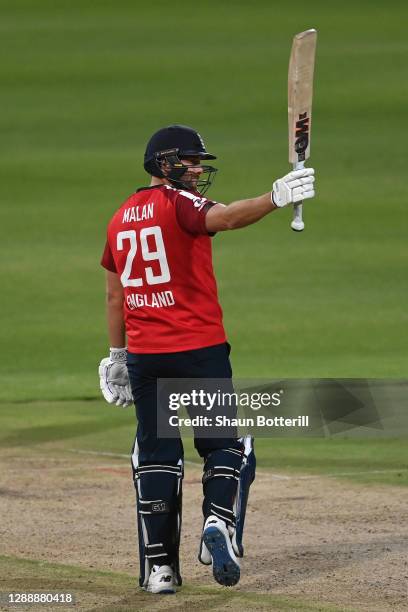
(145, 369)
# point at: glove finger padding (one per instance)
(297, 191)
(107, 393)
(121, 395)
(307, 180)
(297, 174)
(114, 382)
(125, 396)
(308, 189)
(303, 195)
(117, 374)
(108, 390)
(308, 194)
(292, 184)
(293, 187)
(300, 182)
(129, 396)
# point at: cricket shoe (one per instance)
(161, 580)
(216, 543)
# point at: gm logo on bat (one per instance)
(302, 135)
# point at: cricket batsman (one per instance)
(164, 321)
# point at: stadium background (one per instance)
(84, 84)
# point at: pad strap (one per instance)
(152, 551)
(177, 470)
(218, 471)
(223, 513)
(154, 506)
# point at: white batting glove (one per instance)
(296, 186)
(114, 378)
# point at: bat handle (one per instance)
(297, 223)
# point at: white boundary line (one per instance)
(260, 474)
(118, 455)
(98, 453)
(67, 468)
(356, 473)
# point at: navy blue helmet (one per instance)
(165, 150)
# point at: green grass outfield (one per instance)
(84, 84)
(115, 592)
(95, 427)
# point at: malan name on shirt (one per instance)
(138, 213)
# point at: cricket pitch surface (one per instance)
(311, 542)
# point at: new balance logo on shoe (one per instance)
(165, 578)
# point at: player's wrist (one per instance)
(118, 355)
(274, 205)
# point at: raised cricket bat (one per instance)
(300, 95)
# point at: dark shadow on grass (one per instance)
(54, 433)
(39, 400)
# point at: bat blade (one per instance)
(300, 96)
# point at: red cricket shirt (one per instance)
(158, 244)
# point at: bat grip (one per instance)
(297, 223)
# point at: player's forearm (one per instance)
(238, 214)
(246, 212)
(114, 310)
(115, 321)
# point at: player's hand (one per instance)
(114, 378)
(296, 186)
